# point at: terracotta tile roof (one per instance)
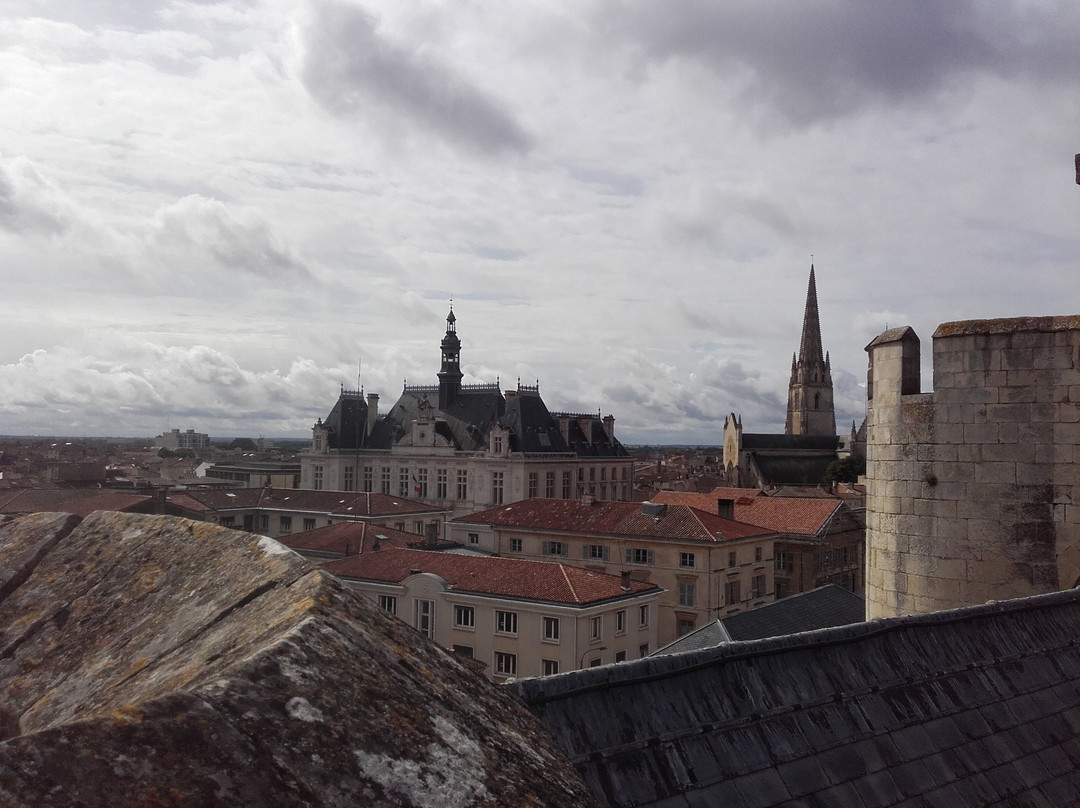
(621, 518)
(803, 515)
(291, 499)
(82, 502)
(503, 577)
(347, 538)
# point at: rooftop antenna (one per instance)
(360, 374)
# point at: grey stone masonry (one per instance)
(973, 491)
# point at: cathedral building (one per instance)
(465, 446)
(802, 454)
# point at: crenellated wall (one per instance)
(973, 491)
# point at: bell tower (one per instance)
(810, 392)
(450, 372)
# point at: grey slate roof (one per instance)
(824, 607)
(792, 469)
(789, 443)
(974, 706)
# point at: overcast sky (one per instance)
(212, 213)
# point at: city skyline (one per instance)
(212, 216)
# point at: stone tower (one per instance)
(810, 391)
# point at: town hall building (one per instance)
(465, 446)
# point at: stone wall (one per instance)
(973, 490)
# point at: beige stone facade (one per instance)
(973, 491)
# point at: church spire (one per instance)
(810, 391)
(810, 351)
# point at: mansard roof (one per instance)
(494, 576)
(760, 441)
(616, 518)
(973, 706)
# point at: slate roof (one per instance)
(824, 607)
(618, 518)
(799, 515)
(792, 469)
(353, 504)
(752, 441)
(502, 577)
(973, 706)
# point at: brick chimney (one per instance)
(725, 508)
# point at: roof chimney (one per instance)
(372, 411)
(725, 508)
(626, 580)
(432, 536)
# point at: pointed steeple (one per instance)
(810, 345)
(810, 391)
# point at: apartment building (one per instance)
(515, 617)
(707, 565)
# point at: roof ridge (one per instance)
(573, 592)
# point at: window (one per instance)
(731, 558)
(592, 473)
(596, 663)
(418, 527)
(686, 560)
(639, 555)
(643, 616)
(384, 479)
(464, 617)
(783, 561)
(403, 482)
(534, 484)
(420, 483)
(551, 629)
(318, 478)
(596, 552)
(597, 624)
(464, 650)
(643, 650)
(515, 545)
(687, 593)
(757, 554)
(732, 592)
(566, 480)
(264, 521)
(549, 485)
(424, 617)
(683, 625)
(550, 666)
(555, 548)
(757, 587)
(462, 484)
(440, 483)
(620, 621)
(367, 479)
(620, 656)
(350, 478)
(496, 444)
(388, 603)
(309, 524)
(228, 521)
(496, 488)
(505, 622)
(474, 538)
(285, 524)
(505, 664)
(782, 589)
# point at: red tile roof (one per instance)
(488, 575)
(621, 518)
(348, 538)
(81, 502)
(803, 515)
(290, 499)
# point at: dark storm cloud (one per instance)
(814, 61)
(351, 70)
